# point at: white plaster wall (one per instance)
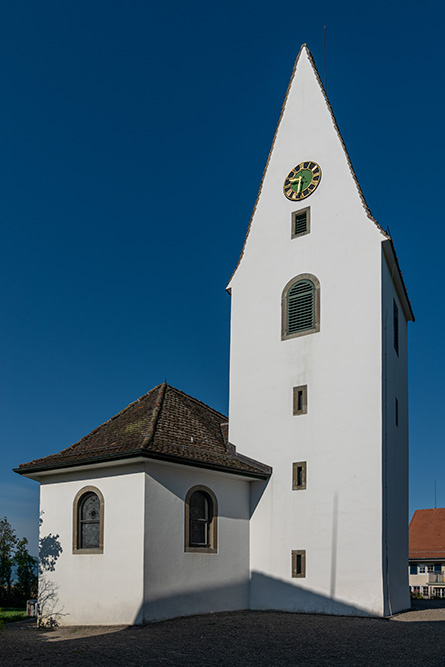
(179, 583)
(395, 450)
(98, 589)
(338, 519)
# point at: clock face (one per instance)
(302, 181)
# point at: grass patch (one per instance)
(7, 615)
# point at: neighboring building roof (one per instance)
(427, 534)
(164, 424)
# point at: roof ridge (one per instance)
(111, 419)
(155, 415)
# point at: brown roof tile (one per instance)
(427, 534)
(165, 424)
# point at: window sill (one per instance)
(200, 550)
(88, 551)
(306, 332)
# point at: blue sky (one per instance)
(133, 136)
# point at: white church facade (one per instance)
(156, 511)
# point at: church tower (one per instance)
(318, 376)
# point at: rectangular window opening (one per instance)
(300, 400)
(300, 222)
(299, 564)
(396, 328)
(299, 475)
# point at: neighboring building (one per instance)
(318, 389)
(427, 553)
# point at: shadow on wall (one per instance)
(267, 593)
(50, 549)
(49, 610)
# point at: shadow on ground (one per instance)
(246, 638)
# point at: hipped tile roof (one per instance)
(163, 424)
(427, 534)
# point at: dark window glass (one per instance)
(299, 475)
(200, 512)
(413, 569)
(396, 327)
(89, 521)
(300, 400)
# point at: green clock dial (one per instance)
(302, 180)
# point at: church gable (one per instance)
(307, 137)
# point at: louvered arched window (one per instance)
(301, 306)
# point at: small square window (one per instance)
(298, 564)
(298, 476)
(422, 569)
(301, 222)
(430, 568)
(300, 400)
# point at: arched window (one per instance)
(200, 520)
(88, 521)
(300, 306)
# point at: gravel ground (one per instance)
(246, 638)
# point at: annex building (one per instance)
(298, 501)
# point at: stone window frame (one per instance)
(302, 573)
(294, 214)
(213, 528)
(76, 505)
(284, 295)
(295, 409)
(295, 485)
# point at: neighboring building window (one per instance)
(200, 520)
(301, 222)
(430, 568)
(300, 400)
(300, 307)
(412, 569)
(396, 327)
(422, 569)
(415, 589)
(437, 568)
(299, 476)
(298, 564)
(397, 412)
(88, 521)
(425, 591)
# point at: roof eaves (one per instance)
(390, 253)
(259, 471)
